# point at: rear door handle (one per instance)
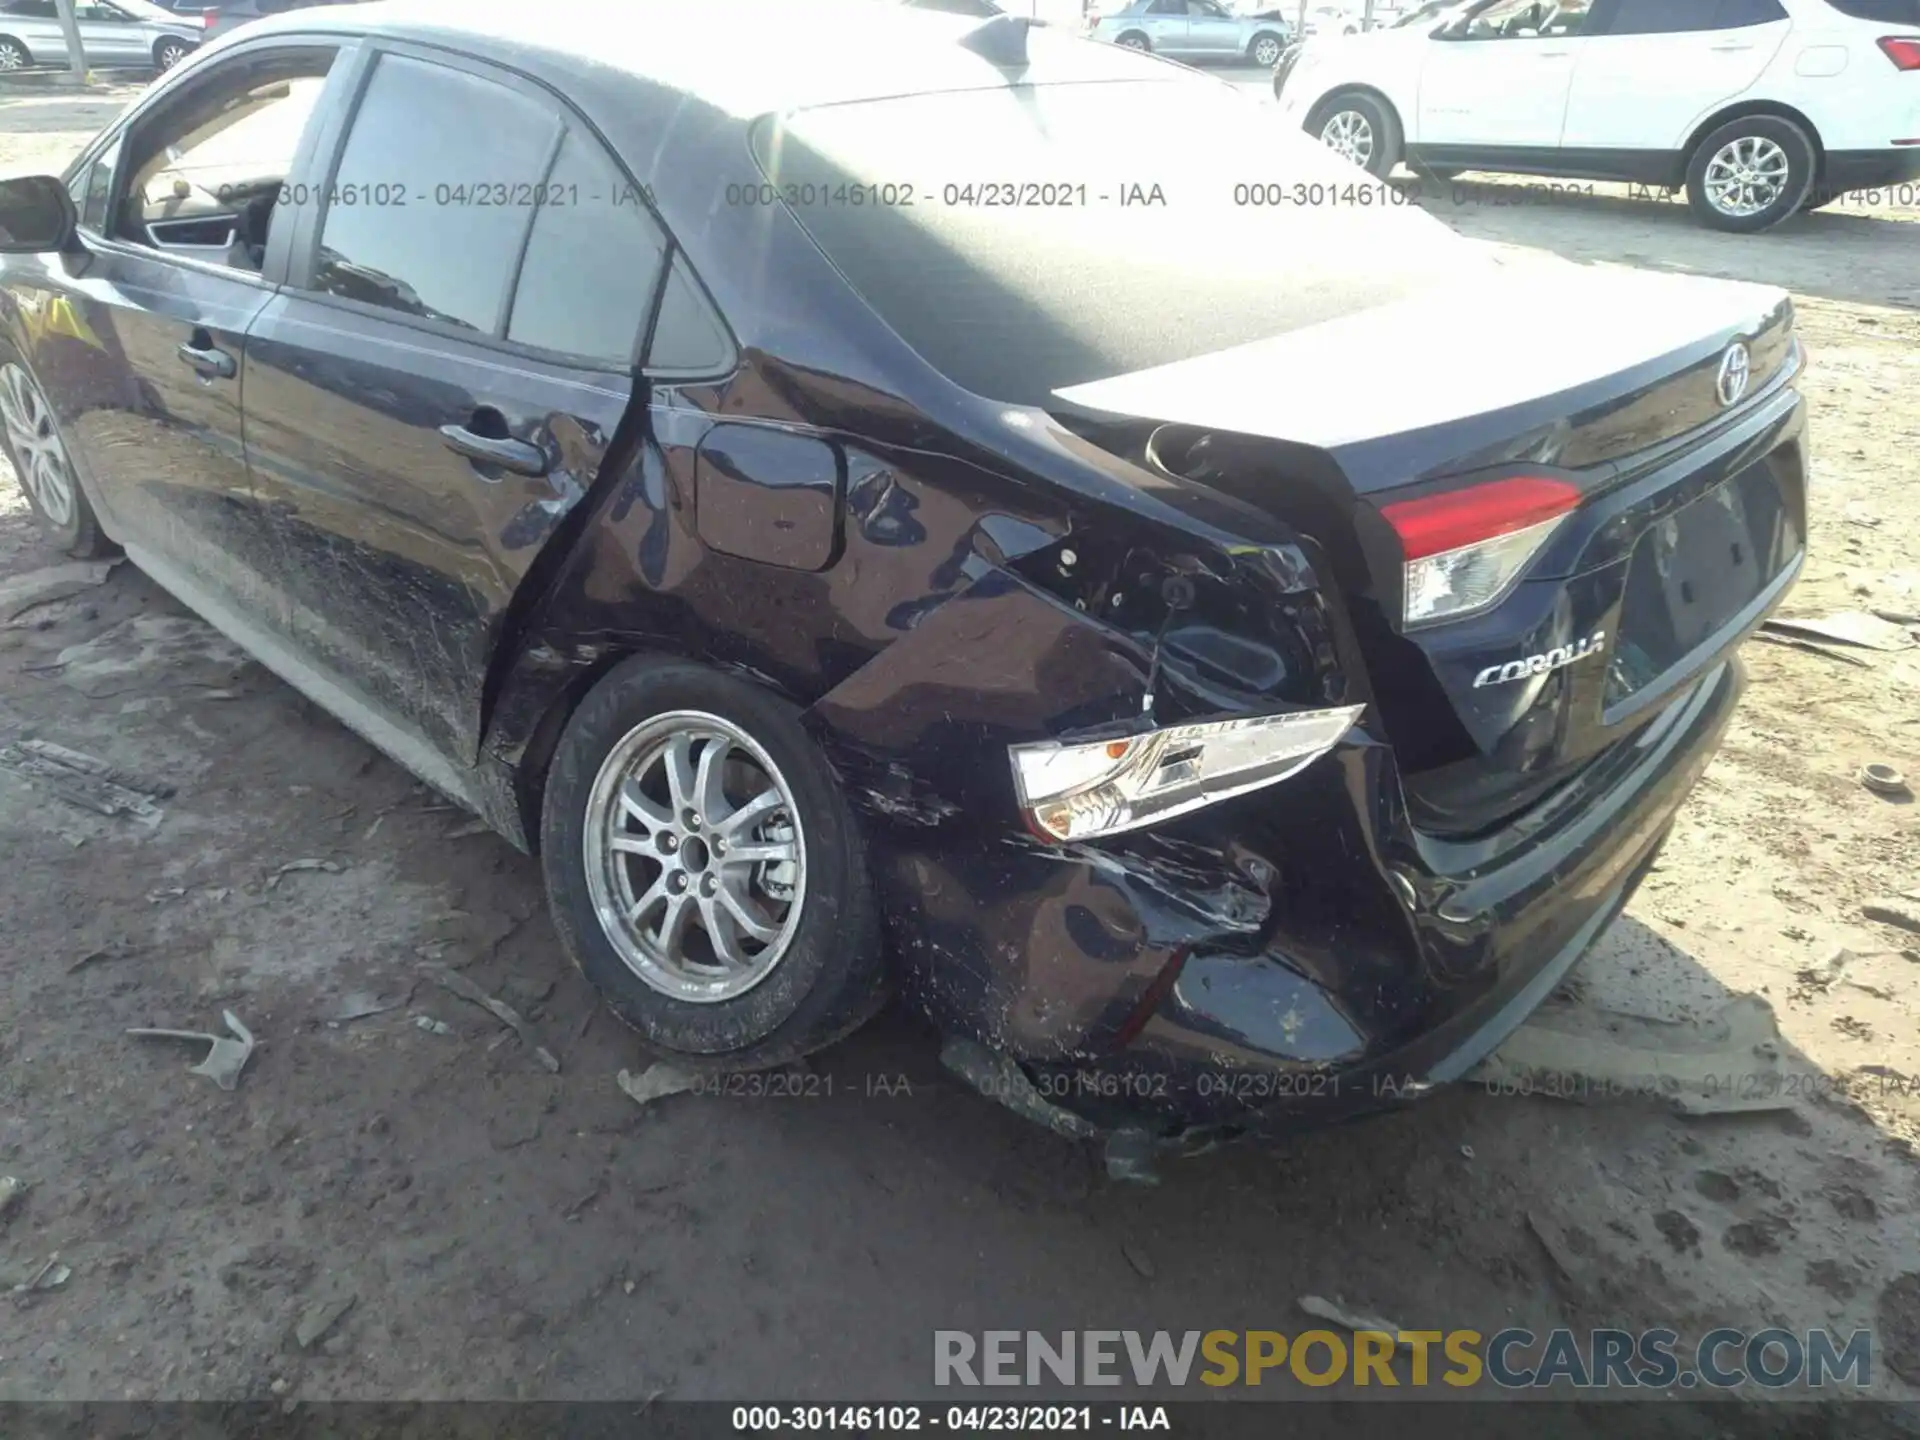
(1551, 54)
(520, 456)
(206, 358)
(1731, 49)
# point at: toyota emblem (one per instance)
(1736, 370)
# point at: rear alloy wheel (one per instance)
(1133, 40)
(704, 871)
(1265, 51)
(43, 468)
(1359, 128)
(1751, 174)
(169, 53)
(13, 55)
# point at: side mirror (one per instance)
(36, 215)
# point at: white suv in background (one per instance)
(1759, 107)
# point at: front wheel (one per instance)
(169, 53)
(45, 471)
(1751, 174)
(1362, 129)
(1265, 51)
(704, 871)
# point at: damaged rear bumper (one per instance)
(1304, 955)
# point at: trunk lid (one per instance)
(1689, 524)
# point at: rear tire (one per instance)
(13, 55)
(43, 467)
(1751, 174)
(1135, 40)
(1266, 50)
(1361, 128)
(168, 53)
(617, 827)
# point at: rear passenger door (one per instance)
(1499, 78)
(1211, 30)
(1653, 69)
(440, 379)
(108, 33)
(1165, 22)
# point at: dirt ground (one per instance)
(506, 1232)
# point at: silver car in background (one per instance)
(1193, 30)
(112, 32)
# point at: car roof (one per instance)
(745, 57)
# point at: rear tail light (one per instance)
(1903, 50)
(207, 17)
(1466, 549)
(1079, 791)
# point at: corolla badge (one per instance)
(1556, 659)
(1736, 371)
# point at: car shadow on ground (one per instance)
(1857, 252)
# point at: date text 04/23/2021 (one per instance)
(957, 1419)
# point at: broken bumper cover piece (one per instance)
(1261, 975)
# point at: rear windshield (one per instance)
(1027, 238)
(1886, 12)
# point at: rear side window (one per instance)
(428, 209)
(1886, 12)
(1667, 17)
(1735, 13)
(593, 261)
(688, 338)
(1521, 20)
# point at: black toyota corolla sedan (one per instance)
(913, 504)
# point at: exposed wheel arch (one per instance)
(1392, 144)
(536, 755)
(1326, 102)
(1746, 110)
(535, 758)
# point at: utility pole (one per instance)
(76, 57)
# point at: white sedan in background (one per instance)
(1760, 108)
